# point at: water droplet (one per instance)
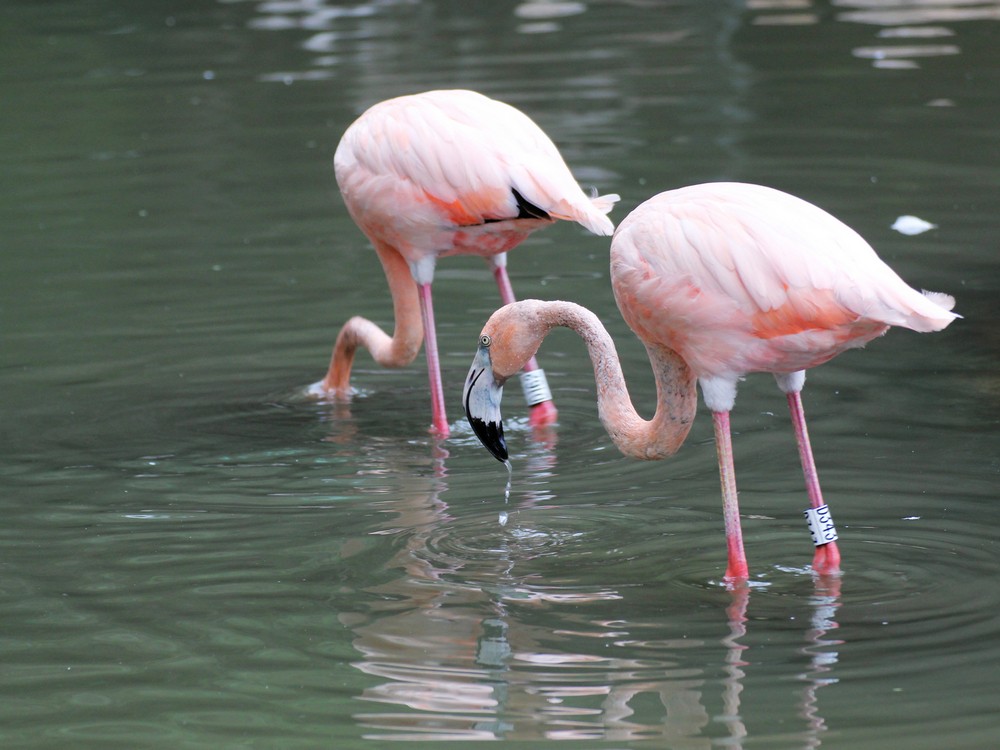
(510, 475)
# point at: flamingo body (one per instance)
(439, 174)
(718, 281)
(442, 173)
(740, 278)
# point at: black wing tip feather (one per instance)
(528, 210)
(525, 210)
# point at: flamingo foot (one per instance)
(322, 391)
(543, 414)
(827, 559)
(439, 427)
(737, 572)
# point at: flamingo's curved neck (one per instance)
(676, 392)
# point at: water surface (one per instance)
(194, 556)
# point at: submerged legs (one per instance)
(719, 396)
(827, 557)
(736, 569)
(439, 424)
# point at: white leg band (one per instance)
(821, 526)
(536, 387)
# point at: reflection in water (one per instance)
(906, 38)
(733, 681)
(898, 12)
(468, 641)
(822, 654)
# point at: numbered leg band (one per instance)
(821, 526)
(536, 387)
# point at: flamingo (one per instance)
(717, 280)
(444, 173)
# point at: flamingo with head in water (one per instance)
(445, 173)
(718, 281)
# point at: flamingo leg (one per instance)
(544, 412)
(736, 569)
(827, 557)
(440, 420)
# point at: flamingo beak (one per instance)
(481, 397)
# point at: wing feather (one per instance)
(770, 253)
(463, 150)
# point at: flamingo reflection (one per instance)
(822, 653)
(466, 635)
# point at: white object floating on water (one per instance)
(911, 225)
(503, 518)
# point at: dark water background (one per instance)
(191, 556)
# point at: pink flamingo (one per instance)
(443, 173)
(717, 280)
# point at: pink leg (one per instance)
(737, 569)
(827, 557)
(545, 412)
(440, 419)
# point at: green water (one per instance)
(192, 556)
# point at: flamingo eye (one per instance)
(485, 340)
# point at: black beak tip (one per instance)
(490, 434)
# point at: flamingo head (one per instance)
(481, 396)
(509, 339)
